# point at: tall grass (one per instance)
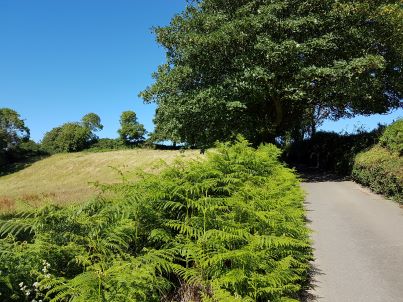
(67, 178)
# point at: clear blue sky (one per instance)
(61, 59)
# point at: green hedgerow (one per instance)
(380, 168)
(381, 171)
(392, 138)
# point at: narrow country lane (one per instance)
(358, 241)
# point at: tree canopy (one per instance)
(12, 129)
(269, 68)
(70, 137)
(73, 137)
(13, 133)
(92, 121)
(131, 131)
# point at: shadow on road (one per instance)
(307, 295)
(310, 174)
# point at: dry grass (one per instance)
(68, 178)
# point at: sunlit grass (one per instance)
(68, 178)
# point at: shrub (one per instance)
(380, 170)
(107, 144)
(228, 228)
(392, 138)
(381, 167)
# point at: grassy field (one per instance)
(67, 178)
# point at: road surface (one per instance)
(358, 241)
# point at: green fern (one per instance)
(228, 228)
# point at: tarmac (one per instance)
(358, 242)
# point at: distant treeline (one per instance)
(16, 146)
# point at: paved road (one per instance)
(358, 240)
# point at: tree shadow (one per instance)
(11, 168)
(313, 174)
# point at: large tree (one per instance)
(265, 68)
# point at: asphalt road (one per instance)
(358, 241)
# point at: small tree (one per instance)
(131, 131)
(92, 121)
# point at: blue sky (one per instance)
(61, 59)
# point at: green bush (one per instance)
(107, 144)
(70, 137)
(392, 138)
(380, 170)
(227, 228)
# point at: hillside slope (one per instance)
(65, 178)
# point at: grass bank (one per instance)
(64, 178)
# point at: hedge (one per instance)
(380, 170)
(392, 138)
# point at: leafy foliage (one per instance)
(392, 138)
(381, 171)
(268, 68)
(131, 131)
(73, 137)
(92, 121)
(13, 132)
(70, 137)
(107, 144)
(380, 168)
(228, 228)
(12, 129)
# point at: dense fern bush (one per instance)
(228, 228)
